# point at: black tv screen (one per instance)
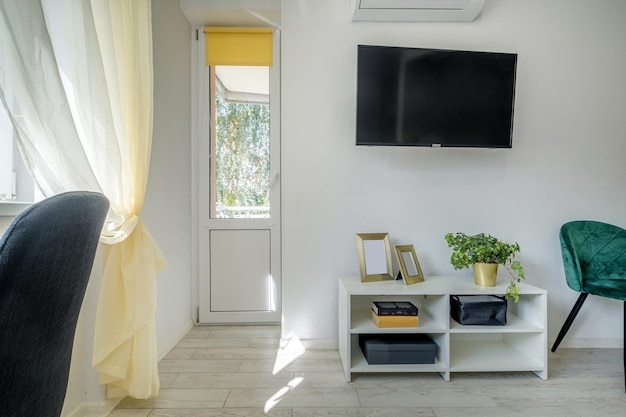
(434, 97)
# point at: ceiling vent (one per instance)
(416, 10)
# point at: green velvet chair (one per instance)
(594, 259)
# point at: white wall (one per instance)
(566, 162)
(167, 207)
(5, 221)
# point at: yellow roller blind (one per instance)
(238, 46)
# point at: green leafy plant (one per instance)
(483, 248)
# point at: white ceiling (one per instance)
(255, 80)
(232, 12)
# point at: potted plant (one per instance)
(485, 251)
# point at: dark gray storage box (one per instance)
(382, 349)
(483, 310)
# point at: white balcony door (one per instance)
(238, 191)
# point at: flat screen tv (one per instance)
(434, 97)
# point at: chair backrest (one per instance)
(46, 256)
(591, 251)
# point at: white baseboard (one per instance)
(590, 343)
(323, 344)
(164, 350)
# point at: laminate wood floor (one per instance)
(237, 371)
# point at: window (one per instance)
(7, 174)
(238, 62)
(240, 171)
(16, 184)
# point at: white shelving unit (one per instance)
(520, 345)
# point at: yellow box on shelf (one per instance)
(394, 321)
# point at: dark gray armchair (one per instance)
(46, 256)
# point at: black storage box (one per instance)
(382, 349)
(483, 310)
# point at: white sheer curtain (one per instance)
(80, 74)
(38, 106)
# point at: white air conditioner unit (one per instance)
(416, 10)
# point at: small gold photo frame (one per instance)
(409, 265)
(374, 255)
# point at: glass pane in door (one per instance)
(240, 168)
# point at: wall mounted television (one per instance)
(434, 97)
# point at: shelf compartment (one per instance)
(431, 311)
(514, 324)
(488, 352)
(533, 308)
(362, 323)
(360, 365)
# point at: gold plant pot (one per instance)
(485, 274)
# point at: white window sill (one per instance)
(12, 208)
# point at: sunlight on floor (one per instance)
(275, 399)
(290, 349)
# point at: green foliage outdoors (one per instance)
(484, 248)
(243, 149)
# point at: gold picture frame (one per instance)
(374, 256)
(409, 265)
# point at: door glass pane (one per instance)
(241, 168)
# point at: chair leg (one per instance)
(570, 320)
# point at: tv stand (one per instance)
(520, 345)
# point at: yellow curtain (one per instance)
(125, 352)
(238, 46)
(125, 348)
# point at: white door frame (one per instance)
(200, 193)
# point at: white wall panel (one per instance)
(240, 270)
